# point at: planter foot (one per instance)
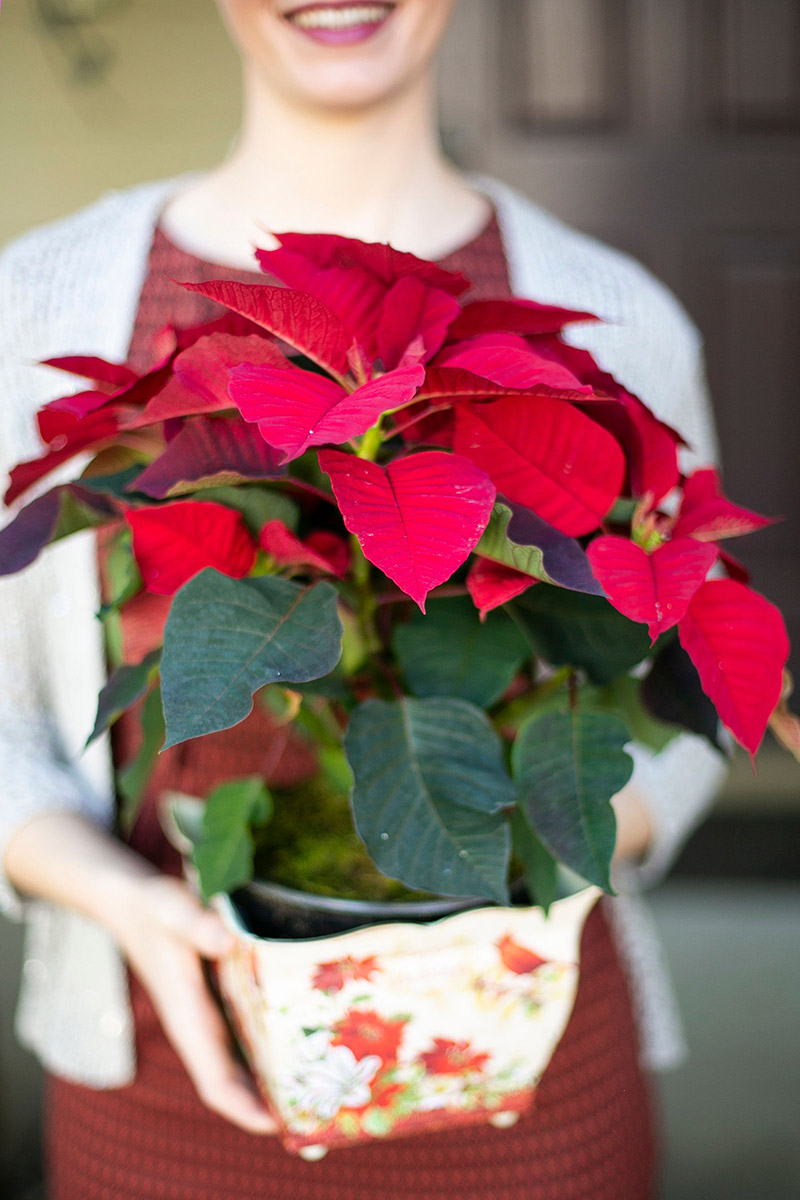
(312, 1153)
(504, 1120)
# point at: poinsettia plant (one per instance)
(431, 531)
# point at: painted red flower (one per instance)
(518, 959)
(332, 976)
(366, 1032)
(453, 1058)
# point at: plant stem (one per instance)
(367, 604)
(371, 442)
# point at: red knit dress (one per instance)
(589, 1136)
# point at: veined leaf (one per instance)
(567, 767)
(227, 638)
(125, 687)
(430, 786)
(541, 869)
(450, 653)
(58, 513)
(572, 629)
(673, 694)
(518, 538)
(258, 505)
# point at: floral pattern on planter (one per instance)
(395, 1029)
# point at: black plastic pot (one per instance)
(273, 911)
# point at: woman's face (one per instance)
(337, 55)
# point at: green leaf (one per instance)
(224, 854)
(622, 512)
(118, 484)
(132, 780)
(226, 638)
(541, 869)
(125, 686)
(578, 630)
(625, 696)
(567, 766)
(672, 692)
(430, 786)
(75, 516)
(256, 504)
(496, 544)
(448, 652)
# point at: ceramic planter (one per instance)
(401, 1028)
(362, 1020)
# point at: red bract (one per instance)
(513, 316)
(67, 435)
(412, 315)
(296, 318)
(509, 360)
(174, 542)
(650, 445)
(652, 588)
(297, 409)
(288, 551)
(416, 519)
(225, 451)
(333, 548)
(200, 376)
(388, 301)
(738, 643)
(546, 455)
(111, 376)
(301, 258)
(707, 515)
(491, 584)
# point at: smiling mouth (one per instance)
(359, 19)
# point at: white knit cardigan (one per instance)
(74, 286)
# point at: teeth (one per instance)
(341, 18)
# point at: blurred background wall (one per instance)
(670, 128)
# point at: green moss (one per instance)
(311, 844)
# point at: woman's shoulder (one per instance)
(73, 281)
(553, 262)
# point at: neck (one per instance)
(378, 175)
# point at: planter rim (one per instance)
(442, 906)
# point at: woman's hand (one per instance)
(164, 932)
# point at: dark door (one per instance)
(670, 128)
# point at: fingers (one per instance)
(174, 906)
(197, 1032)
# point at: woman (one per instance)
(339, 135)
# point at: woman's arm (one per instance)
(163, 931)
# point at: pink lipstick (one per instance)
(340, 24)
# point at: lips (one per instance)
(339, 23)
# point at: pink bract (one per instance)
(416, 519)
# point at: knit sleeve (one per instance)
(37, 773)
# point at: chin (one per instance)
(337, 55)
